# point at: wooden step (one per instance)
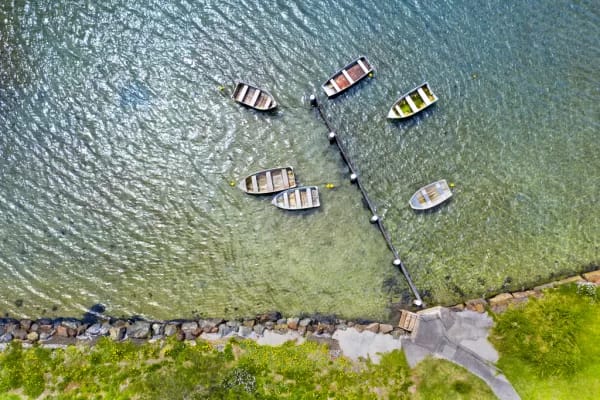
(408, 320)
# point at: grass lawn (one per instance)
(438, 379)
(549, 349)
(233, 370)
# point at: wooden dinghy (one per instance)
(299, 198)
(412, 102)
(253, 97)
(430, 195)
(269, 181)
(347, 77)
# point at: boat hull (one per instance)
(347, 77)
(413, 102)
(431, 195)
(269, 181)
(253, 97)
(300, 198)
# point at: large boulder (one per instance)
(292, 323)
(117, 333)
(139, 330)
(98, 329)
(170, 329)
(385, 328)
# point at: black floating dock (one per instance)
(375, 219)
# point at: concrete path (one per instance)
(365, 344)
(460, 337)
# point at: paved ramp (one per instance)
(460, 337)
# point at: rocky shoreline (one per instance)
(64, 331)
(71, 330)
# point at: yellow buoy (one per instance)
(221, 88)
(329, 185)
(451, 184)
(232, 183)
(370, 74)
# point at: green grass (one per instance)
(549, 348)
(443, 380)
(236, 370)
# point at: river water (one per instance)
(119, 144)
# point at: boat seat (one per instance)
(425, 196)
(363, 66)
(254, 184)
(267, 103)
(309, 197)
(286, 200)
(254, 98)
(284, 178)
(424, 96)
(242, 93)
(347, 75)
(335, 85)
(269, 181)
(398, 110)
(298, 199)
(411, 104)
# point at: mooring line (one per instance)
(333, 138)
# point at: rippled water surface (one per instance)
(120, 142)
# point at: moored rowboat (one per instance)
(347, 77)
(253, 97)
(269, 181)
(430, 195)
(412, 102)
(299, 198)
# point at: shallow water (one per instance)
(120, 141)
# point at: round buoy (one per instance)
(418, 302)
(313, 100)
(397, 262)
(353, 177)
(331, 137)
(452, 184)
(374, 219)
(232, 183)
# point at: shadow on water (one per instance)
(94, 314)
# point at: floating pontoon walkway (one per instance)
(333, 138)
